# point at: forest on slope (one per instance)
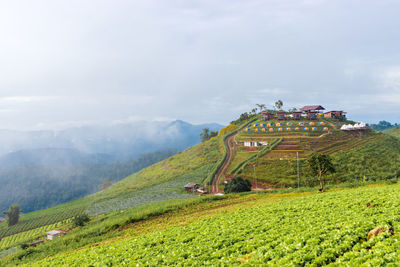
(36, 187)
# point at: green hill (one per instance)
(360, 157)
(393, 132)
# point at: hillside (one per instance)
(41, 169)
(393, 132)
(361, 157)
(358, 155)
(278, 229)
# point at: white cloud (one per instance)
(391, 78)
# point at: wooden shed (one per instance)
(191, 187)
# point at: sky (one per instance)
(66, 63)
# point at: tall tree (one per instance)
(278, 104)
(13, 214)
(261, 107)
(205, 135)
(320, 165)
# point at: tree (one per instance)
(213, 134)
(254, 111)
(320, 165)
(237, 184)
(261, 107)
(207, 134)
(279, 104)
(80, 220)
(292, 110)
(13, 214)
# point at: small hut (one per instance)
(192, 187)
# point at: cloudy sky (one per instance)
(72, 62)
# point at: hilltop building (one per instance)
(281, 115)
(267, 116)
(297, 115)
(334, 114)
(313, 109)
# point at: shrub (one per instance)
(80, 220)
(237, 184)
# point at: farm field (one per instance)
(329, 228)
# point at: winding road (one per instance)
(230, 149)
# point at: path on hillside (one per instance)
(230, 149)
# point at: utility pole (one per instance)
(255, 177)
(298, 174)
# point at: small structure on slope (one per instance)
(191, 187)
(255, 143)
(54, 234)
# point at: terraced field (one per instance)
(317, 229)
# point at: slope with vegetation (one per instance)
(340, 227)
(393, 132)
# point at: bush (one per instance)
(237, 185)
(80, 220)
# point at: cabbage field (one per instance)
(316, 229)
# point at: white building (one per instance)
(357, 126)
(255, 143)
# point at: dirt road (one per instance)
(230, 149)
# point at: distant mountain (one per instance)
(119, 141)
(39, 169)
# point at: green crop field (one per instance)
(317, 229)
